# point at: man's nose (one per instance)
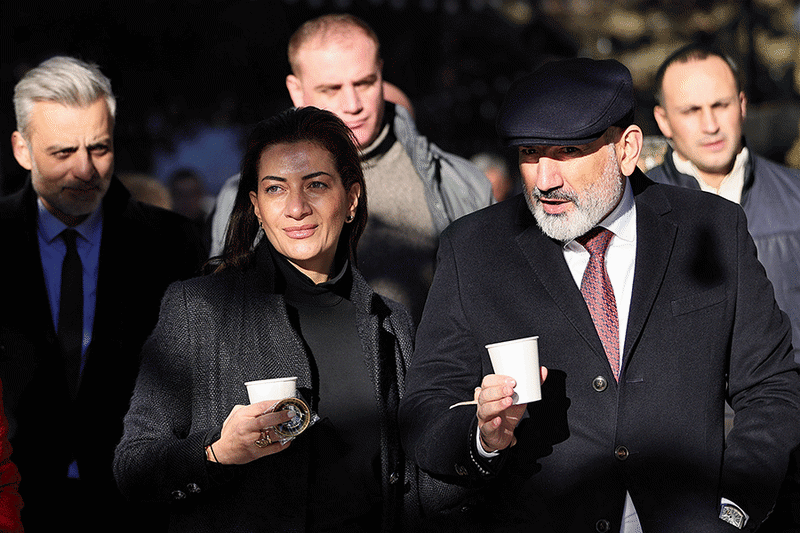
(351, 100)
(548, 174)
(84, 168)
(709, 121)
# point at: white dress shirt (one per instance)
(620, 263)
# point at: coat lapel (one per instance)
(655, 240)
(27, 248)
(546, 258)
(284, 352)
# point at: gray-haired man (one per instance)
(85, 270)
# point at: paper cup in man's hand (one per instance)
(519, 359)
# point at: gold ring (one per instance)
(264, 441)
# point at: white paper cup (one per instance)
(271, 389)
(520, 360)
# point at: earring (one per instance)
(349, 218)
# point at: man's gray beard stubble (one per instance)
(596, 201)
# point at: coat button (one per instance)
(622, 453)
(602, 526)
(599, 384)
(193, 488)
(461, 470)
(178, 495)
(394, 478)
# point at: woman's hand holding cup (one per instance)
(248, 434)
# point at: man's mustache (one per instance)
(554, 194)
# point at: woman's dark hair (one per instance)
(291, 126)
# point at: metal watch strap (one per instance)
(732, 515)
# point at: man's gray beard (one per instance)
(591, 206)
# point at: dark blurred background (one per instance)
(191, 77)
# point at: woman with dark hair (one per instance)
(291, 305)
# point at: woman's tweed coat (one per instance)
(213, 334)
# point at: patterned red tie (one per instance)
(599, 294)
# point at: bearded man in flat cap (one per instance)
(651, 310)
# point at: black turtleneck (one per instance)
(345, 486)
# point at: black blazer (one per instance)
(143, 249)
(703, 328)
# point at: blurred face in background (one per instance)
(703, 113)
(342, 75)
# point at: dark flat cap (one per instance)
(573, 101)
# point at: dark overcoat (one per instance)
(703, 329)
(143, 249)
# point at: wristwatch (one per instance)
(732, 515)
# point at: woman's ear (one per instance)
(353, 195)
(628, 149)
(254, 201)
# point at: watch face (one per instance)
(300, 419)
(732, 515)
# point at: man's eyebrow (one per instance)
(60, 148)
(718, 101)
(369, 78)
(105, 141)
(324, 86)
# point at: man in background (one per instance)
(85, 269)
(701, 110)
(414, 189)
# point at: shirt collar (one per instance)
(50, 227)
(621, 221)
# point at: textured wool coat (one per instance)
(214, 334)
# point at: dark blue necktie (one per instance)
(70, 313)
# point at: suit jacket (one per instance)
(703, 328)
(214, 334)
(143, 249)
